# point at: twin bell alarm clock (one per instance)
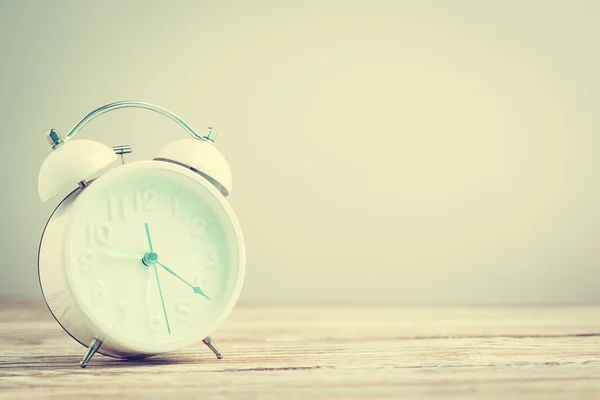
(144, 257)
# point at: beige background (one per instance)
(384, 152)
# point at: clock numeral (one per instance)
(155, 319)
(183, 313)
(97, 232)
(198, 226)
(200, 281)
(211, 258)
(117, 209)
(145, 200)
(176, 203)
(98, 291)
(121, 308)
(87, 262)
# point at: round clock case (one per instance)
(90, 260)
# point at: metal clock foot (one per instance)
(94, 346)
(210, 343)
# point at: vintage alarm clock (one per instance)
(144, 257)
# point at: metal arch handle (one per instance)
(136, 104)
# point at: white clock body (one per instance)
(91, 266)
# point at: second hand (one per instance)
(153, 258)
(161, 299)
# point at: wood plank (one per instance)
(337, 353)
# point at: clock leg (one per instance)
(94, 346)
(210, 343)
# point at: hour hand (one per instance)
(196, 289)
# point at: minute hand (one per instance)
(196, 289)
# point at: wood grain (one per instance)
(324, 353)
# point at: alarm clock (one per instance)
(139, 258)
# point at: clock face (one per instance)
(153, 256)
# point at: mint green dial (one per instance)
(154, 256)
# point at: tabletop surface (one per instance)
(324, 353)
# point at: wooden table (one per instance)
(324, 353)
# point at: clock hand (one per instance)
(148, 236)
(114, 252)
(162, 300)
(196, 289)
